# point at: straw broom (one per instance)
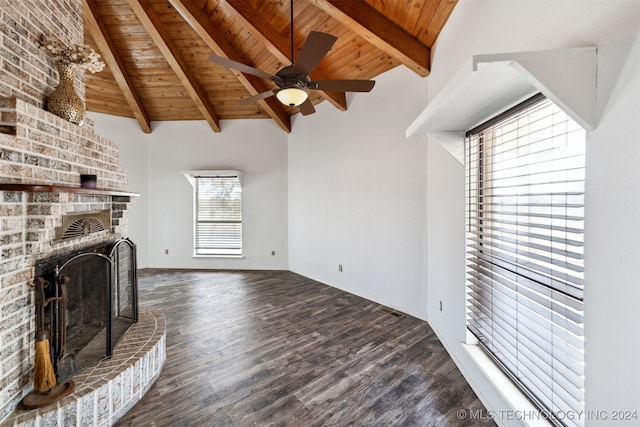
(43, 376)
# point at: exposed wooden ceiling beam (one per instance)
(153, 25)
(276, 44)
(201, 24)
(380, 32)
(100, 35)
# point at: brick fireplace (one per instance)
(41, 159)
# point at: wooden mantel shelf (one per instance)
(33, 188)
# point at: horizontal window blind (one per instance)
(525, 175)
(218, 215)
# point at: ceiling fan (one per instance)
(293, 81)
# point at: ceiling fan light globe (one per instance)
(292, 96)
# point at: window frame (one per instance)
(193, 177)
(476, 190)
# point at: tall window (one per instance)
(525, 270)
(218, 215)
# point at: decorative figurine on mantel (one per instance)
(64, 101)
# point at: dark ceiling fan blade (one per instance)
(314, 49)
(307, 108)
(342, 85)
(226, 62)
(257, 97)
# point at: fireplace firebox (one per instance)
(92, 300)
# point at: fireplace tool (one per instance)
(44, 377)
(66, 363)
(47, 389)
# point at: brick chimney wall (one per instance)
(45, 149)
(25, 72)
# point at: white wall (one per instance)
(612, 236)
(133, 145)
(612, 259)
(258, 148)
(355, 194)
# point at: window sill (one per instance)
(521, 408)
(218, 256)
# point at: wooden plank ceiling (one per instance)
(157, 52)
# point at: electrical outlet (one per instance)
(166, 251)
(440, 305)
(339, 267)
(273, 253)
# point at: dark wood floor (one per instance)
(277, 349)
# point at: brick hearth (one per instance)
(108, 390)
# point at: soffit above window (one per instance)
(192, 174)
(490, 84)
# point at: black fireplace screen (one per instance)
(124, 298)
(93, 302)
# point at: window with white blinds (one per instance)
(218, 215)
(525, 174)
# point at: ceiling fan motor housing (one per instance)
(291, 78)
